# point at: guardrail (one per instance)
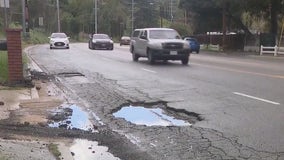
(271, 50)
(210, 47)
(280, 50)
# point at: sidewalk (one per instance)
(29, 106)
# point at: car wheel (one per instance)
(197, 51)
(150, 56)
(135, 57)
(50, 47)
(132, 49)
(184, 61)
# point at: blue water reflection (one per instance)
(148, 116)
(78, 120)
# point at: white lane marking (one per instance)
(148, 70)
(256, 98)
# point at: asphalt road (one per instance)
(239, 97)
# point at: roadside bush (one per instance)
(37, 36)
(182, 29)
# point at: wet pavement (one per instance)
(102, 100)
(86, 150)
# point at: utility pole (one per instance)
(96, 16)
(161, 16)
(172, 17)
(132, 15)
(225, 9)
(5, 12)
(58, 16)
(24, 17)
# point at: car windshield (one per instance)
(58, 35)
(164, 34)
(100, 36)
(126, 38)
(192, 40)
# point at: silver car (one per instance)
(59, 40)
(159, 44)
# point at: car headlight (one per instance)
(94, 41)
(66, 41)
(186, 45)
(51, 41)
(156, 45)
(111, 41)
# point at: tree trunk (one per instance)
(273, 17)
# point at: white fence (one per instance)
(272, 50)
(210, 47)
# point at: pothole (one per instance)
(70, 117)
(73, 77)
(157, 115)
(70, 74)
(40, 75)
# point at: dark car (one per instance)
(125, 40)
(100, 41)
(194, 44)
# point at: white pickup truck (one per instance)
(159, 44)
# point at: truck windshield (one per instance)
(164, 34)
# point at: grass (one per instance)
(53, 148)
(37, 36)
(3, 66)
(3, 158)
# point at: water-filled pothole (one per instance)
(149, 116)
(71, 117)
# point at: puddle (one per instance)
(71, 117)
(148, 116)
(86, 150)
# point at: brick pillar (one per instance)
(15, 63)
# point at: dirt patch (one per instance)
(35, 109)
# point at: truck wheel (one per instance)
(135, 57)
(150, 56)
(184, 61)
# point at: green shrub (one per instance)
(37, 36)
(53, 148)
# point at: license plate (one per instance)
(173, 52)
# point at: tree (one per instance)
(146, 14)
(112, 17)
(207, 13)
(270, 9)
